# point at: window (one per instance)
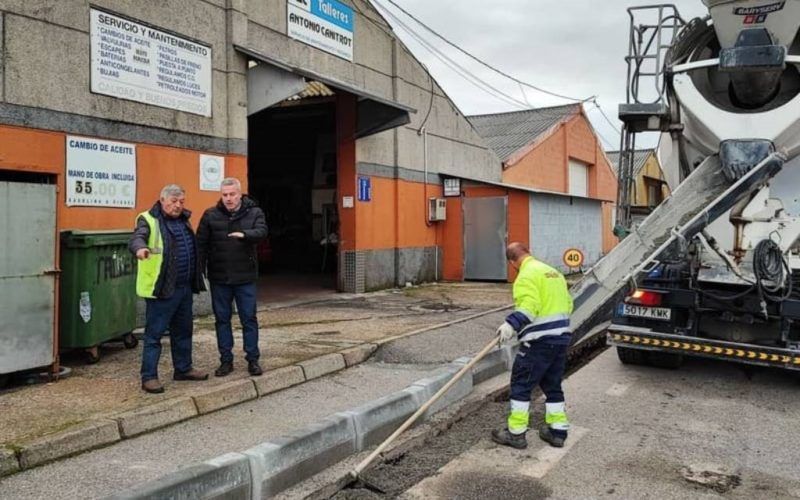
(654, 192)
(578, 178)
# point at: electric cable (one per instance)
(478, 60)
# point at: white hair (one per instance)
(171, 190)
(231, 181)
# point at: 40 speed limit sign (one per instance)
(573, 257)
(100, 173)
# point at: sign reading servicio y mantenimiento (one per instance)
(132, 60)
(324, 24)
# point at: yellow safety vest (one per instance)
(149, 269)
(541, 292)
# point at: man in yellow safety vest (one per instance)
(540, 322)
(167, 276)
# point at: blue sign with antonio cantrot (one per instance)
(325, 24)
(364, 189)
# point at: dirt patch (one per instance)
(711, 476)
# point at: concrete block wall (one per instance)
(562, 222)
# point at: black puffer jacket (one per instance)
(167, 278)
(231, 261)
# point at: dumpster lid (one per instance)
(76, 238)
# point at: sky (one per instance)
(571, 47)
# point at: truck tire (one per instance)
(664, 359)
(631, 356)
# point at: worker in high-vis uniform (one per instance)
(540, 322)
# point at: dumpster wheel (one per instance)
(92, 354)
(130, 341)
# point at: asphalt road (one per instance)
(708, 430)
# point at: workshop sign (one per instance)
(135, 61)
(212, 171)
(324, 24)
(100, 173)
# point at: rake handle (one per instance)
(422, 409)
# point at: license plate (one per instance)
(661, 313)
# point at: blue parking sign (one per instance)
(364, 189)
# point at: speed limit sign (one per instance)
(573, 258)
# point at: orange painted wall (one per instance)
(545, 167)
(518, 222)
(43, 151)
(346, 167)
(452, 242)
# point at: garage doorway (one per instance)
(292, 172)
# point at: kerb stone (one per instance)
(276, 380)
(283, 462)
(226, 395)
(154, 416)
(322, 365)
(225, 477)
(78, 439)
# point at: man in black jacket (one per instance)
(227, 238)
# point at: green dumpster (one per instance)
(98, 290)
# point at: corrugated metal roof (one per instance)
(507, 133)
(313, 89)
(639, 159)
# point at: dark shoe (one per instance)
(505, 438)
(190, 375)
(546, 434)
(254, 368)
(224, 369)
(152, 386)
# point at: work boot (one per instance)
(548, 435)
(190, 375)
(225, 368)
(152, 386)
(254, 368)
(505, 438)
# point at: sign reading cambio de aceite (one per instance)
(132, 60)
(324, 24)
(100, 173)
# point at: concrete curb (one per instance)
(225, 395)
(283, 462)
(277, 380)
(227, 476)
(76, 440)
(322, 365)
(155, 416)
(9, 463)
(129, 424)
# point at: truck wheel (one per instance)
(664, 359)
(630, 356)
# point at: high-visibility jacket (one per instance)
(542, 301)
(149, 269)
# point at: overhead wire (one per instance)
(478, 60)
(452, 64)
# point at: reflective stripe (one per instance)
(555, 324)
(518, 421)
(555, 416)
(518, 416)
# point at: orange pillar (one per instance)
(346, 170)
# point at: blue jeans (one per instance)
(542, 363)
(173, 314)
(222, 297)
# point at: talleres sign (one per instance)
(324, 24)
(133, 60)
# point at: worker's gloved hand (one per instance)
(505, 333)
